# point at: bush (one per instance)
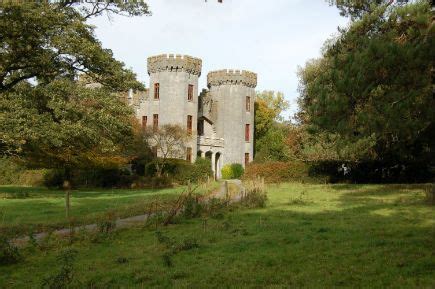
(195, 173)
(182, 171)
(374, 171)
(277, 172)
(97, 178)
(12, 173)
(65, 275)
(9, 254)
(232, 171)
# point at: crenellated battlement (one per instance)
(228, 76)
(174, 62)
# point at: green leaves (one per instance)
(65, 123)
(373, 85)
(43, 42)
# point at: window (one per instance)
(189, 154)
(246, 159)
(156, 90)
(248, 103)
(200, 126)
(155, 122)
(189, 124)
(144, 121)
(247, 132)
(190, 93)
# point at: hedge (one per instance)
(277, 172)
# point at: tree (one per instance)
(169, 141)
(372, 88)
(268, 108)
(357, 8)
(54, 42)
(42, 42)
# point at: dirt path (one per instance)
(221, 193)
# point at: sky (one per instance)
(270, 37)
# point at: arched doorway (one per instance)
(217, 166)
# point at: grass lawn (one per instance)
(25, 209)
(311, 236)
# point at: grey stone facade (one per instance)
(222, 116)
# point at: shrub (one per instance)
(277, 172)
(374, 171)
(65, 276)
(95, 177)
(232, 171)
(192, 207)
(182, 171)
(12, 173)
(9, 254)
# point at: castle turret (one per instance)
(234, 92)
(173, 95)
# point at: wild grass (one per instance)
(348, 236)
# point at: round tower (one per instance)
(234, 91)
(173, 94)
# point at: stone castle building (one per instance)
(220, 119)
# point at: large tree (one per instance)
(373, 86)
(41, 43)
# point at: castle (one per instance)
(220, 119)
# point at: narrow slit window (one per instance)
(190, 93)
(247, 132)
(156, 90)
(144, 121)
(189, 124)
(155, 122)
(248, 103)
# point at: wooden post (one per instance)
(67, 203)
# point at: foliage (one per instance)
(91, 178)
(196, 173)
(54, 42)
(12, 173)
(169, 141)
(48, 120)
(268, 108)
(9, 254)
(232, 171)
(356, 94)
(272, 146)
(373, 171)
(278, 172)
(182, 171)
(71, 125)
(357, 8)
(65, 277)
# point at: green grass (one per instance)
(310, 236)
(24, 209)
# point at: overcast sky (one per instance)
(269, 37)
